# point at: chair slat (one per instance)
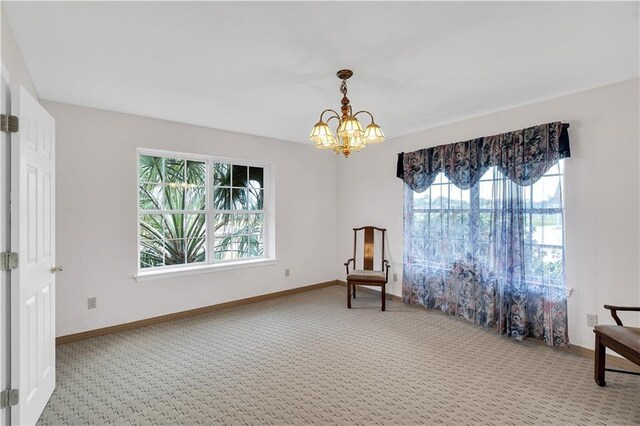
(369, 249)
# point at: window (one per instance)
(448, 223)
(195, 210)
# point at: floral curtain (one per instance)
(484, 231)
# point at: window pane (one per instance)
(486, 194)
(222, 199)
(240, 176)
(195, 198)
(255, 223)
(195, 249)
(196, 173)
(458, 199)
(174, 197)
(174, 170)
(174, 252)
(232, 224)
(553, 265)
(221, 174)
(223, 248)
(151, 227)
(421, 200)
(194, 226)
(151, 196)
(552, 229)
(173, 226)
(151, 253)
(239, 199)
(240, 247)
(435, 226)
(546, 192)
(255, 199)
(436, 197)
(150, 169)
(420, 223)
(484, 226)
(256, 246)
(489, 174)
(256, 177)
(458, 224)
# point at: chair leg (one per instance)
(348, 295)
(354, 291)
(599, 362)
(383, 295)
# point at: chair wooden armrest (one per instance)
(614, 308)
(346, 264)
(387, 265)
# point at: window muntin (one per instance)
(199, 210)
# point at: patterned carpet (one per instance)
(306, 359)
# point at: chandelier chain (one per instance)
(343, 87)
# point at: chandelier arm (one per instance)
(337, 124)
(366, 112)
(327, 110)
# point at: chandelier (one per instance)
(351, 137)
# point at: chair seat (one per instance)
(369, 276)
(626, 336)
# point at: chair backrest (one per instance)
(368, 247)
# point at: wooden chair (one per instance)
(369, 274)
(618, 338)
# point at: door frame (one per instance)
(5, 245)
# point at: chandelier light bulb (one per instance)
(322, 135)
(373, 134)
(350, 126)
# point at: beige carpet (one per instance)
(307, 359)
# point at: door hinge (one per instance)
(8, 123)
(9, 398)
(8, 260)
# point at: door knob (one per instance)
(56, 268)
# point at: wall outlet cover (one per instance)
(592, 320)
(91, 303)
(287, 272)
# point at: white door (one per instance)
(33, 238)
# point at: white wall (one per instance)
(601, 187)
(96, 217)
(12, 60)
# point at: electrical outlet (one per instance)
(592, 320)
(395, 277)
(91, 303)
(286, 272)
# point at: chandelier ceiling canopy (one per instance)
(350, 136)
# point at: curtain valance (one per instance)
(522, 155)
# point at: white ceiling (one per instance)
(268, 68)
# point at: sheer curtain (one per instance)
(484, 231)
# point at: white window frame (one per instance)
(210, 264)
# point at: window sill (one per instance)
(202, 269)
